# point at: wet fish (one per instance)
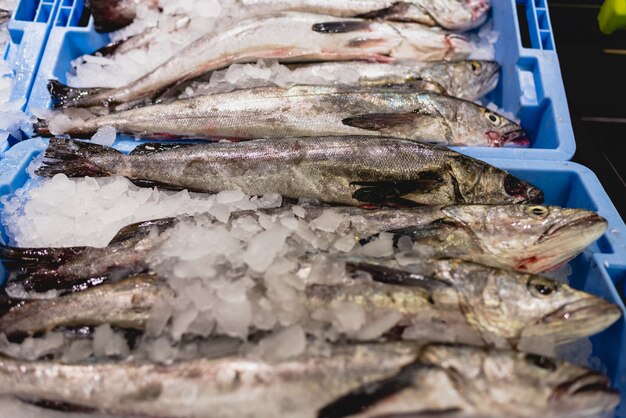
(525, 237)
(504, 306)
(288, 37)
(468, 80)
(353, 380)
(41, 270)
(111, 15)
(309, 111)
(125, 304)
(456, 15)
(344, 170)
(453, 292)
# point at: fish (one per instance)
(529, 238)
(348, 170)
(454, 292)
(124, 304)
(312, 111)
(365, 380)
(465, 79)
(112, 15)
(457, 15)
(35, 271)
(287, 37)
(503, 305)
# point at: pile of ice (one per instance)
(155, 36)
(70, 212)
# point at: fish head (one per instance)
(502, 303)
(458, 15)
(476, 182)
(530, 238)
(496, 130)
(512, 383)
(469, 80)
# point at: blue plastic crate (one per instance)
(598, 270)
(532, 76)
(29, 29)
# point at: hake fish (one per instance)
(288, 37)
(529, 238)
(343, 170)
(312, 111)
(366, 380)
(458, 15)
(478, 304)
(466, 79)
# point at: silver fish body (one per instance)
(126, 304)
(450, 14)
(478, 304)
(311, 111)
(504, 306)
(468, 80)
(344, 170)
(288, 37)
(530, 238)
(506, 236)
(361, 380)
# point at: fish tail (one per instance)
(64, 96)
(76, 159)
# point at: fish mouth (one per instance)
(586, 224)
(583, 317)
(522, 191)
(590, 383)
(516, 138)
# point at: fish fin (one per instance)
(142, 228)
(398, 277)
(368, 395)
(154, 148)
(391, 192)
(74, 159)
(150, 184)
(440, 227)
(61, 406)
(390, 12)
(65, 96)
(382, 121)
(341, 26)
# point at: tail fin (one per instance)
(75, 159)
(65, 96)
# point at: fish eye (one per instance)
(542, 362)
(541, 287)
(493, 118)
(476, 67)
(537, 211)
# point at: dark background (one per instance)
(595, 84)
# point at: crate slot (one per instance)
(44, 13)
(26, 11)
